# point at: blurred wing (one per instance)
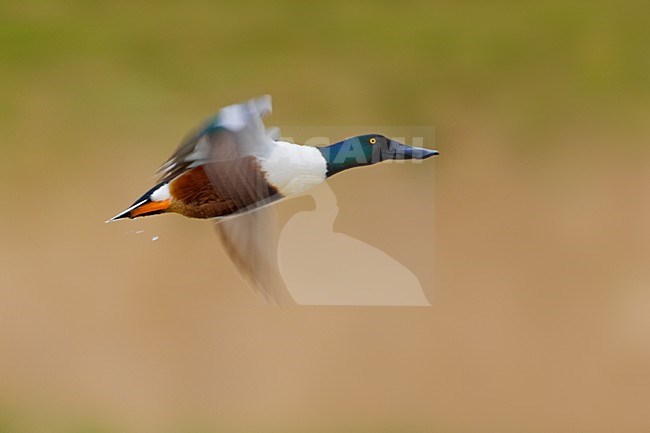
(227, 146)
(274, 133)
(235, 132)
(251, 241)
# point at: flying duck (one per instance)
(231, 167)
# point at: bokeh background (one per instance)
(541, 316)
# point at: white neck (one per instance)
(292, 168)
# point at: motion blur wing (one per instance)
(227, 146)
(235, 132)
(251, 241)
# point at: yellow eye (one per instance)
(373, 140)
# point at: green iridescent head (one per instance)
(366, 150)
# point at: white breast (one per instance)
(292, 168)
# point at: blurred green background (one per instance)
(541, 320)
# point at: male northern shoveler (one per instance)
(231, 166)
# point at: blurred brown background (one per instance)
(541, 318)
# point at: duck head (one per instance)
(368, 149)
